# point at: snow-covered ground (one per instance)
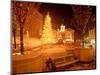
(54, 51)
(32, 42)
(29, 43)
(37, 57)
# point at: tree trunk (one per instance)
(21, 39)
(14, 33)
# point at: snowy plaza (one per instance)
(52, 37)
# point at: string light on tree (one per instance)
(47, 34)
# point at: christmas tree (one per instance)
(47, 34)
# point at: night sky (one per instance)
(61, 13)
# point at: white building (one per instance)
(66, 35)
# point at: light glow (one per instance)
(62, 28)
(47, 34)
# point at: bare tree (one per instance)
(20, 13)
(14, 23)
(82, 15)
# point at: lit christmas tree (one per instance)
(47, 34)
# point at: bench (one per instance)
(63, 61)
